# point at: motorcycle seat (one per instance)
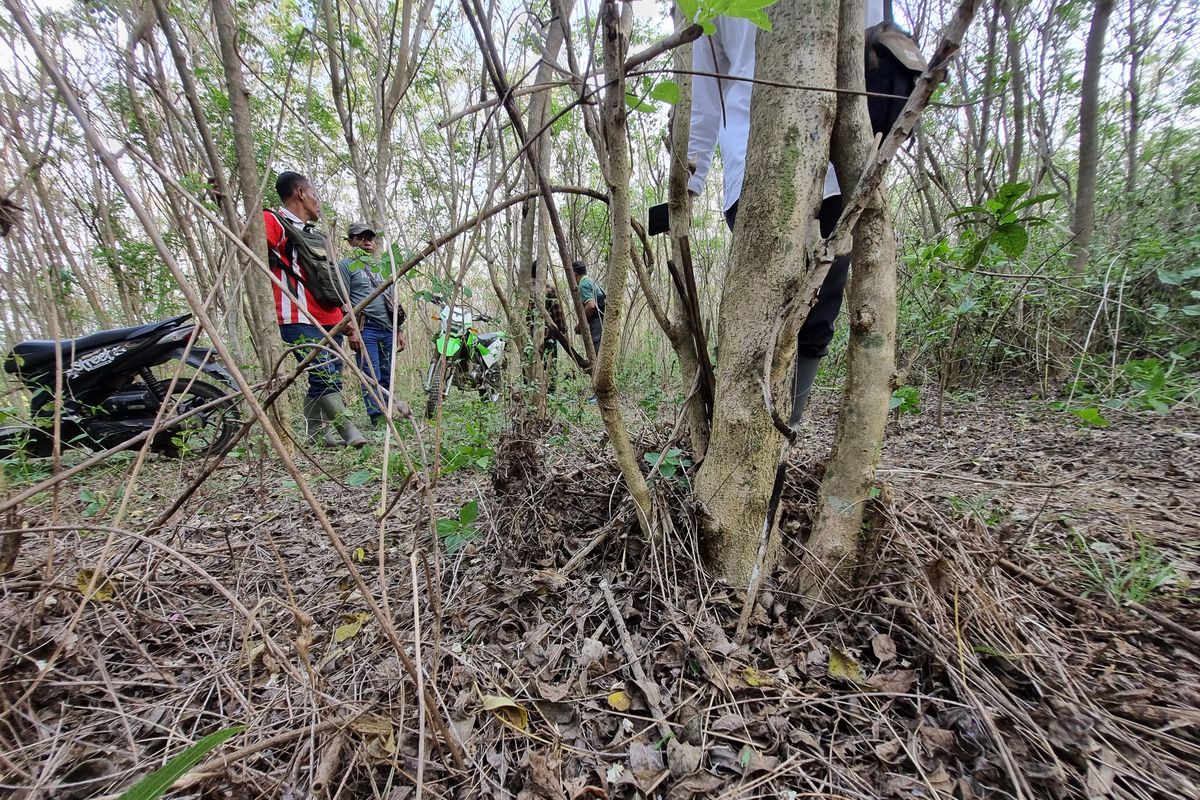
(36, 355)
(488, 338)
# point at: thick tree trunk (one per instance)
(785, 166)
(259, 296)
(871, 355)
(1084, 222)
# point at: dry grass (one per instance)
(949, 675)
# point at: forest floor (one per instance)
(1027, 630)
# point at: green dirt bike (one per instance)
(472, 359)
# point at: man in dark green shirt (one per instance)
(592, 296)
(360, 271)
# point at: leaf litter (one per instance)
(947, 676)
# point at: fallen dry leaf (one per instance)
(898, 682)
(682, 758)
(884, 648)
(754, 678)
(507, 711)
(351, 625)
(620, 701)
(102, 588)
(843, 665)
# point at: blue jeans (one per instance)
(325, 372)
(375, 361)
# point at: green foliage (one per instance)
(905, 400)
(456, 532)
(1001, 222)
(1123, 576)
(1140, 384)
(704, 12)
(468, 433)
(1091, 417)
(669, 465)
(156, 784)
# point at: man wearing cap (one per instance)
(360, 271)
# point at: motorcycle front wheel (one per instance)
(206, 432)
(438, 386)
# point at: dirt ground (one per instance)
(1027, 629)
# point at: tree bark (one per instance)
(259, 295)
(870, 357)
(1017, 85)
(617, 20)
(1084, 222)
(786, 158)
(680, 213)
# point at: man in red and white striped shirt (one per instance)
(302, 318)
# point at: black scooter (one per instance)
(110, 392)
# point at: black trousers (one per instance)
(817, 331)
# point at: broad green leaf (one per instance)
(360, 477)
(1091, 416)
(1012, 238)
(638, 104)
(666, 91)
(1010, 192)
(445, 527)
(1171, 278)
(157, 783)
(469, 512)
(1033, 201)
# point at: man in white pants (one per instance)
(721, 115)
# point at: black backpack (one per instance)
(893, 62)
(311, 249)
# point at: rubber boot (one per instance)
(314, 420)
(334, 409)
(802, 383)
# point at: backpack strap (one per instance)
(273, 258)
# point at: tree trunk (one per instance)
(1017, 85)
(259, 295)
(871, 354)
(617, 20)
(786, 159)
(1084, 222)
(679, 333)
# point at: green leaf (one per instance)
(666, 91)
(1191, 311)
(1012, 238)
(689, 8)
(638, 104)
(1175, 278)
(1091, 416)
(1033, 201)
(469, 512)
(668, 470)
(1010, 192)
(446, 527)
(360, 477)
(157, 783)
